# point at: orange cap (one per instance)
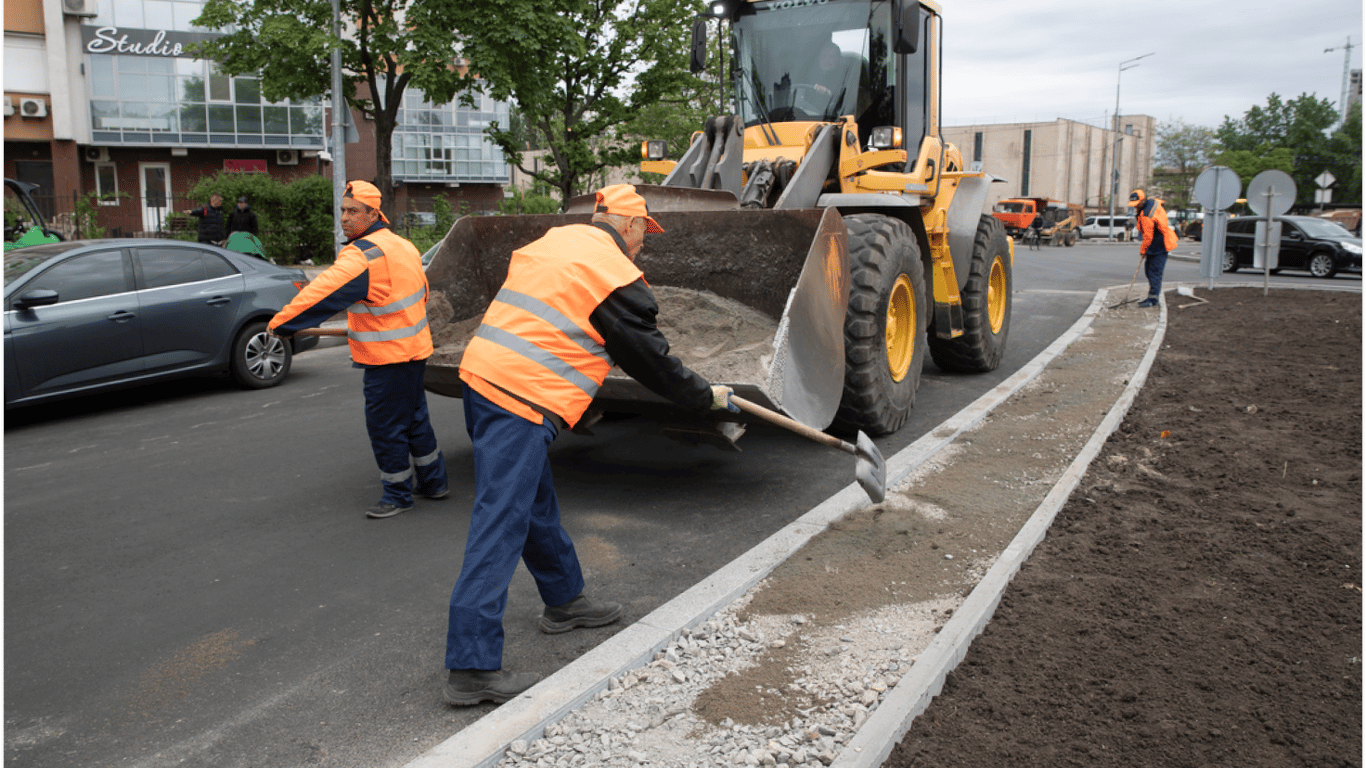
(623, 200)
(1136, 198)
(367, 193)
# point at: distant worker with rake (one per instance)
(1159, 240)
(573, 305)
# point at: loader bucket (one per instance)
(789, 268)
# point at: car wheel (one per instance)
(1230, 261)
(260, 360)
(1322, 265)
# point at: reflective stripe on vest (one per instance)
(537, 342)
(410, 300)
(390, 325)
(539, 356)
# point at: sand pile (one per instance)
(720, 339)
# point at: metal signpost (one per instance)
(1216, 189)
(1269, 194)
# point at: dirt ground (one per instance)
(1197, 601)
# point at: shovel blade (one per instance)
(871, 470)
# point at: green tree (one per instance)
(1183, 151)
(580, 72)
(1298, 127)
(1344, 158)
(289, 42)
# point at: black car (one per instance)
(1322, 247)
(89, 315)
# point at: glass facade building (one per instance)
(145, 88)
(439, 143)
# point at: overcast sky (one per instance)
(1009, 62)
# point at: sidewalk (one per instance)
(966, 505)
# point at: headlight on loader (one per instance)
(654, 149)
(886, 137)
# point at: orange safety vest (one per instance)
(1155, 220)
(390, 324)
(536, 341)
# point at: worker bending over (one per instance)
(1158, 241)
(573, 305)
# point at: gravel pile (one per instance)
(832, 680)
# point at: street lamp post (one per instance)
(1114, 153)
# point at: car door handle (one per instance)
(217, 300)
(122, 316)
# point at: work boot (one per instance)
(582, 611)
(384, 509)
(467, 687)
(441, 494)
(1151, 301)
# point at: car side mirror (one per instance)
(38, 297)
(698, 60)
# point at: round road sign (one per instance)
(1271, 193)
(1217, 188)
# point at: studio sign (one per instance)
(141, 42)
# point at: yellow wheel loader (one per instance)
(829, 203)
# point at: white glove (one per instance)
(720, 398)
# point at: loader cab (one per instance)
(818, 60)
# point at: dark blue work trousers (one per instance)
(515, 517)
(401, 432)
(1154, 264)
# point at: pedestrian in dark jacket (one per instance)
(243, 218)
(211, 222)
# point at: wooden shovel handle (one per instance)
(774, 417)
(321, 332)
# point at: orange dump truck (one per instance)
(1060, 220)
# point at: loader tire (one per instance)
(884, 329)
(986, 306)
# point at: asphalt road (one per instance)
(189, 579)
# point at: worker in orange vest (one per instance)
(574, 304)
(378, 280)
(1158, 241)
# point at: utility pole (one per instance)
(1114, 154)
(1346, 71)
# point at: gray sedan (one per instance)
(89, 315)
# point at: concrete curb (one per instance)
(874, 742)
(483, 743)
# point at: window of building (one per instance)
(445, 143)
(106, 183)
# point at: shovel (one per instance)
(870, 471)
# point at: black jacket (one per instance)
(210, 224)
(626, 322)
(243, 220)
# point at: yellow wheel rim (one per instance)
(996, 295)
(901, 330)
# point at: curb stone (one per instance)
(484, 743)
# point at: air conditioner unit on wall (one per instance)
(80, 8)
(286, 157)
(33, 108)
(9, 106)
(97, 154)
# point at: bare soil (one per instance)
(1198, 599)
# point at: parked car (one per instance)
(1317, 245)
(88, 315)
(1099, 226)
